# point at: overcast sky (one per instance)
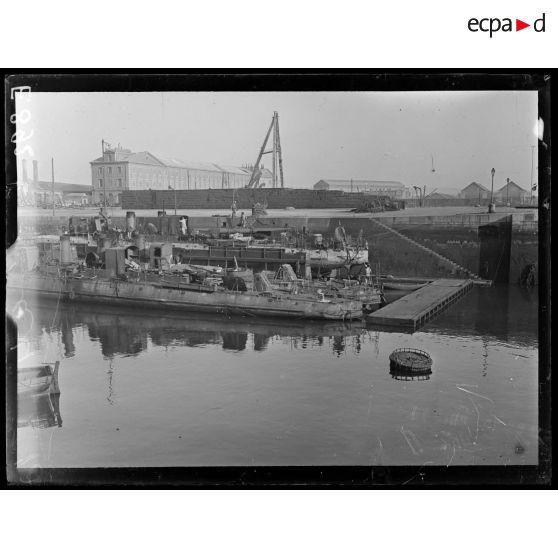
(377, 136)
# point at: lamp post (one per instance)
(52, 169)
(533, 188)
(491, 207)
(418, 194)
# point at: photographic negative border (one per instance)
(311, 476)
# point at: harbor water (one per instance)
(148, 389)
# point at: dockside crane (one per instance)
(277, 157)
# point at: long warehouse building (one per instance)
(120, 170)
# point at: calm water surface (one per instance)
(145, 389)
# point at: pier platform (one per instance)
(419, 307)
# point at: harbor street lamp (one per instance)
(491, 207)
(533, 189)
(418, 193)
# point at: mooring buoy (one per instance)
(407, 361)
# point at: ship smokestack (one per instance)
(130, 221)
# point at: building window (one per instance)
(100, 182)
(100, 171)
(110, 170)
(119, 170)
(120, 183)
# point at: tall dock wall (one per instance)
(524, 248)
(276, 198)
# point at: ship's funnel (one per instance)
(130, 221)
(65, 250)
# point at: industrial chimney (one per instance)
(35, 172)
(24, 169)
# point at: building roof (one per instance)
(343, 183)
(148, 158)
(440, 196)
(65, 187)
(195, 165)
(511, 185)
(233, 169)
(265, 172)
(475, 185)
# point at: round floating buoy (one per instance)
(408, 361)
(411, 376)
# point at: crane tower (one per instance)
(277, 157)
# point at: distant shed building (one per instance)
(439, 196)
(512, 193)
(32, 191)
(69, 192)
(389, 188)
(475, 191)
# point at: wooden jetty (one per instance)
(419, 307)
(422, 280)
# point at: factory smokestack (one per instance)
(24, 169)
(35, 172)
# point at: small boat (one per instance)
(37, 380)
(38, 397)
(393, 286)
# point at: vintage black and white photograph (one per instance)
(270, 278)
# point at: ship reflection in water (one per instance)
(155, 389)
(127, 332)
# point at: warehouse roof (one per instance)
(148, 158)
(65, 187)
(440, 196)
(475, 185)
(196, 165)
(344, 183)
(511, 186)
